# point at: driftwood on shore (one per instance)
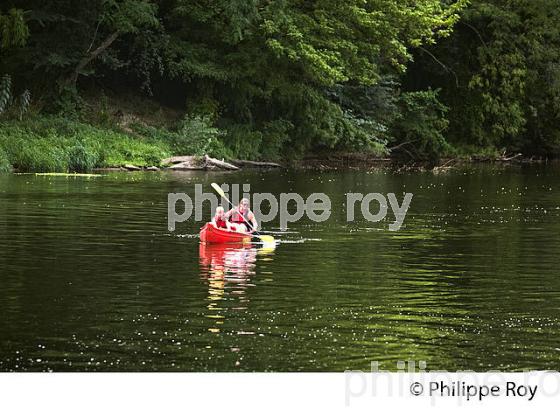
(207, 163)
(179, 159)
(130, 167)
(254, 164)
(507, 159)
(219, 164)
(184, 163)
(194, 163)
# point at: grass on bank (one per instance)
(53, 144)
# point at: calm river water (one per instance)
(91, 279)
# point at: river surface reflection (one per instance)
(92, 280)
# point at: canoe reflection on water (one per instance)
(232, 262)
(228, 269)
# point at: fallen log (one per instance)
(257, 164)
(179, 159)
(192, 163)
(188, 166)
(130, 167)
(220, 164)
(506, 159)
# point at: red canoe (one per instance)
(210, 234)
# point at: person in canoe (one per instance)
(220, 220)
(242, 218)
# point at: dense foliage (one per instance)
(272, 79)
(500, 76)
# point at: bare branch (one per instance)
(443, 65)
(91, 56)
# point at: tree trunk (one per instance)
(90, 57)
(220, 164)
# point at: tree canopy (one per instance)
(287, 77)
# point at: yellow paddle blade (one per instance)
(218, 189)
(266, 248)
(266, 238)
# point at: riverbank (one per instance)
(56, 144)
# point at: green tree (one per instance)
(284, 61)
(68, 36)
(500, 75)
(14, 32)
(13, 29)
(420, 126)
(280, 77)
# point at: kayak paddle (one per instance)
(264, 238)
